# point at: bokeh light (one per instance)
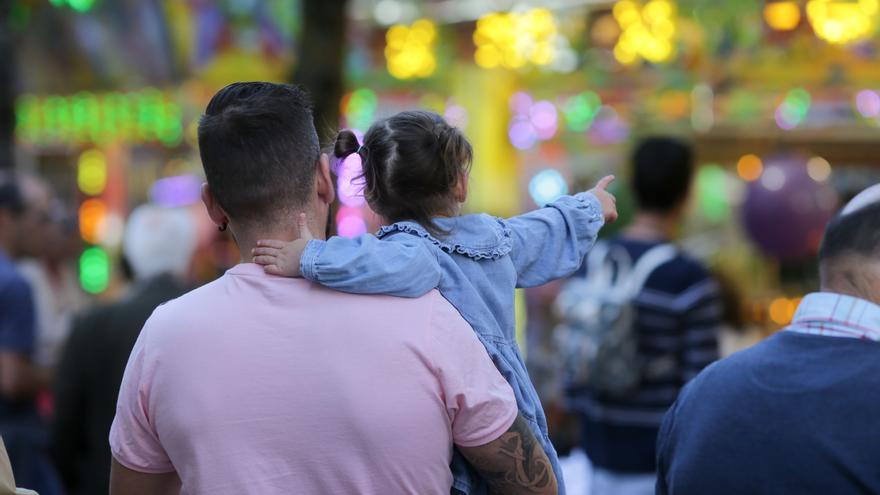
(359, 108)
(647, 31)
(409, 50)
(515, 39)
(868, 103)
(793, 110)
(522, 133)
(841, 22)
(544, 119)
(608, 127)
(782, 16)
(350, 183)
(350, 222)
(91, 174)
(773, 179)
(94, 270)
(712, 192)
(818, 169)
(181, 190)
(750, 167)
(781, 310)
(91, 218)
(580, 110)
(547, 186)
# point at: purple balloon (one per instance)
(785, 211)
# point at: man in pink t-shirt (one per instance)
(270, 385)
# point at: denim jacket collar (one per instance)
(487, 238)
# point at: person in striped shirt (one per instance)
(678, 315)
(796, 413)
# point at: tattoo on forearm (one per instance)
(518, 462)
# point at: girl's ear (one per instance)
(460, 191)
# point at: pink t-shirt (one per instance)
(270, 385)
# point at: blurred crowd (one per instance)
(62, 355)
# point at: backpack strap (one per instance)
(647, 264)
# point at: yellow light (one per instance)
(750, 168)
(818, 169)
(91, 217)
(782, 16)
(92, 172)
(839, 22)
(647, 31)
(513, 40)
(409, 50)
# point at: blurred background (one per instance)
(100, 99)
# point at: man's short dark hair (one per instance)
(662, 168)
(855, 234)
(259, 149)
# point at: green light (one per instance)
(580, 110)
(712, 193)
(94, 270)
(81, 5)
(361, 108)
(57, 3)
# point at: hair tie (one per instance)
(361, 149)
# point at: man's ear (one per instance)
(215, 211)
(324, 189)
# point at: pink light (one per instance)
(456, 115)
(520, 103)
(351, 226)
(868, 103)
(522, 133)
(783, 118)
(608, 127)
(544, 119)
(350, 184)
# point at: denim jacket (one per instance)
(476, 267)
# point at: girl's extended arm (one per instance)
(551, 242)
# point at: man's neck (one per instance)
(246, 239)
(652, 226)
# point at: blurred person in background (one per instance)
(796, 413)
(158, 246)
(676, 318)
(20, 381)
(53, 278)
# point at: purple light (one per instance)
(520, 103)
(608, 127)
(544, 119)
(181, 190)
(456, 115)
(784, 119)
(522, 133)
(868, 103)
(349, 183)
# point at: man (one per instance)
(20, 426)
(158, 245)
(798, 412)
(270, 385)
(677, 316)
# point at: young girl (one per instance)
(415, 167)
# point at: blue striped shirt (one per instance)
(677, 318)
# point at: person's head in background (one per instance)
(33, 240)
(159, 241)
(661, 176)
(849, 258)
(11, 211)
(263, 163)
(415, 166)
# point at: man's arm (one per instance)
(124, 481)
(514, 463)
